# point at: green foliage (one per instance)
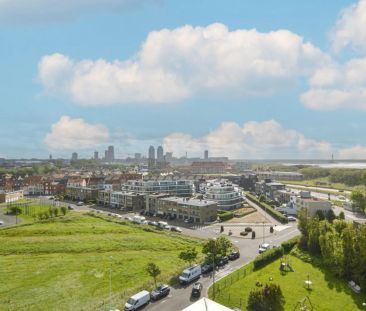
(153, 270)
(341, 215)
(290, 244)
(226, 216)
(189, 255)
(330, 216)
(262, 198)
(63, 210)
(268, 298)
(268, 208)
(216, 247)
(320, 214)
(350, 177)
(358, 198)
(313, 172)
(268, 256)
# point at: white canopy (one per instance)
(205, 304)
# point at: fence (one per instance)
(31, 207)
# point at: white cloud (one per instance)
(259, 140)
(357, 153)
(338, 87)
(350, 28)
(173, 65)
(38, 11)
(76, 134)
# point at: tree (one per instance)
(330, 216)
(320, 214)
(262, 198)
(63, 210)
(303, 226)
(268, 298)
(341, 216)
(189, 255)
(358, 198)
(153, 270)
(218, 247)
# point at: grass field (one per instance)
(327, 294)
(319, 182)
(63, 263)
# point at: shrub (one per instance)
(289, 244)
(271, 230)
(268, 298)
(268, 208)
(63, 210)
(244, 233)
(248, 229)
(226, 216)
(268, 256)
(56, 211)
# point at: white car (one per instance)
(263, 247)
(1, 222)
(291, 218)
(341, 198)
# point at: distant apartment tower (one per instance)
(74, 156)
(151, 158)
(137, 156)
(160, 154)
(168, 156)
(96, 155)
(109, 154)
(206, 155)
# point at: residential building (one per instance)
(151, 157)
(74, 156)
(96, 155)
(109, 154)
(268, 188)
(33, 185)
(312, 204)
(227, 195)
(205, 155)
(181, 188)
(11, 196)
(210, 167)
(195, 210)
(79, 193)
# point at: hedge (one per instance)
(289, 244)
(226, 216)
(268, 256)
(268, 208)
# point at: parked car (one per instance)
(190, 274)
(234, 255)
(222, 261)
(70, 207)
(161, 291)
(1, 222)
(263, 248)
(196, 289)
(137, 301)
(80, 203)
(166, 227)
(206, 268)
(152, 223)
(176, 229)
(291, 218)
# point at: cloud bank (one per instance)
(173, 65)
(76, 134)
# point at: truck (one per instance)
(190, 274)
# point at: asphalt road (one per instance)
(7, 219)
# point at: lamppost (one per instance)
(110, 282)
(214, 269)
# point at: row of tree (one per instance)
(212, 249)
(341, 246)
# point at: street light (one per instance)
(214, 269)
(110, 282)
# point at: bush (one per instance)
(268, 256)
(244, 233)
(63, 210)
(268, 298)
(268, 208)
(226, 216)
(271, 230)
(56, 211)
(248, 229)
(289, 244)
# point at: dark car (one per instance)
(176, 229)
(160, 292)
(206, 268)
(234, 255)
(196, 289)
(223, 261)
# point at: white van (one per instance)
(190, 274)
(162, 224)
(136, 301)
(139, 220)
(263, 248)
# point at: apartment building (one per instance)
(11, 196)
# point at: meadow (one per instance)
(64, 263)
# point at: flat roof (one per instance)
(190, 201)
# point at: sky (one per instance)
(243, 79)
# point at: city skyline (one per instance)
(293, 92)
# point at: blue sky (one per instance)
(197, 114)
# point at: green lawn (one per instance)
(63, 263)
(328, 293)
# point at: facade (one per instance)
(180, 188)
(11, 196)
(51, 187)
(205, 155)
(195, 210)
(151, 157)
(79, 193)
(313, 204)
(209, 167)
(228, 196)
(109, 154)
(268, 188)
(96, 155)
(74, 156)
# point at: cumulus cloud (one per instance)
(260, 140)
(338, 87)
(173, 65)
(357, 153)
(38, 11)
(76, 134)
(350, 28)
